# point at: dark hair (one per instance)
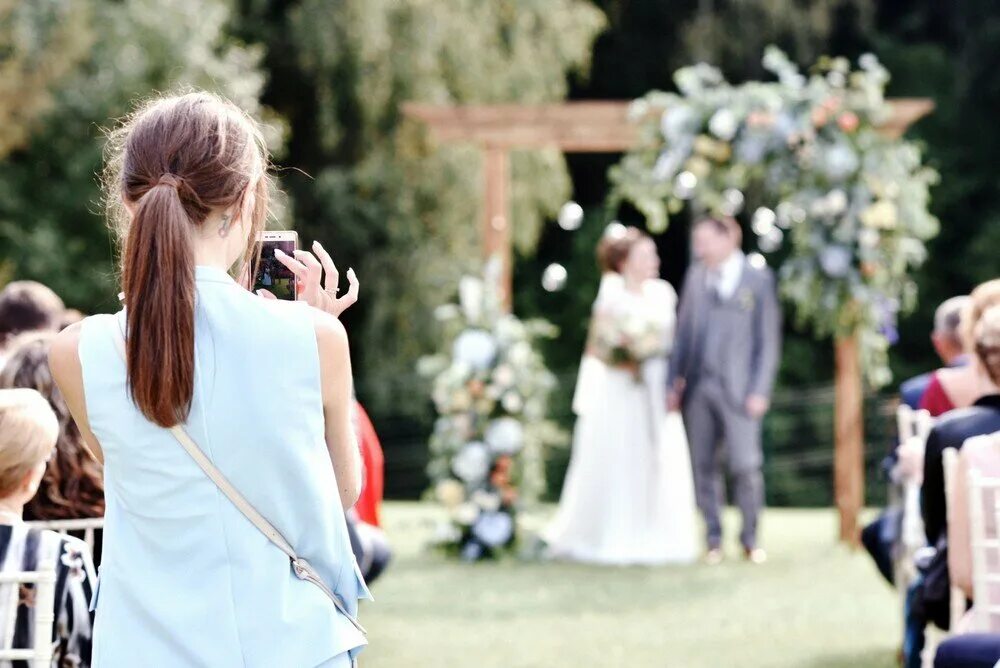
(70, 316)
(72, 486)
(726, 225)
(27, 306)
(616, 244)
(171, 164)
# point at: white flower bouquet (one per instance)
(490, 388)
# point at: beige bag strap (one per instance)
(302, 568)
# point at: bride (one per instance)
(628, 497)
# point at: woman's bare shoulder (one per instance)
(64, 354)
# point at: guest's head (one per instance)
(27, 306)
(987, 338)
(630, 252)
(70, 316)
(73, 484)
(714, 239)
(28, 433)
(985, 296)
(947, 334)
(186, 184)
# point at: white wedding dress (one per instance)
(628, 497)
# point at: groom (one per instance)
(721, 375)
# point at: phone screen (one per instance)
(271, 274)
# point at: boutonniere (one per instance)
(746, 299)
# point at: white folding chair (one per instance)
(88, 526)
(950, 463)
(914, 426)
(984, 504)
(933, 635)
(44, 579)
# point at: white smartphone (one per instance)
(271, 274)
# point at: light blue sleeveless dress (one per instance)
(186, 579)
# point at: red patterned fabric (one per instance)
(935, 400)
(369, 504)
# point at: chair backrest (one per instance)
(984, 508)
(949, 460)
(914, 427)
(911, 422)
(904, 421)
(63, 527)
(44, 580)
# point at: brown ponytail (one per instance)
(158, 277)
(170, 166)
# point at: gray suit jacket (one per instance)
(749, 325)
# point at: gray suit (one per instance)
(726, 350)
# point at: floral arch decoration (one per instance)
(842, 205)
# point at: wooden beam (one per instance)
(905, 112)
(598, 127)
(496, 217)
(576, 127)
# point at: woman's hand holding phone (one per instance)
(311, 288)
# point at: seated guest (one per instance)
(947, 343)
(28, 433)
(958, 385)
(369, 503)
(981, 454)
(975, 650)
(906, 462)
(368, 541)
(951, 431)
(73, 485)
(954, 428)
(27, 306)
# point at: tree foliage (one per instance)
(51, 223)
(404, 212)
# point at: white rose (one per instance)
(512, 402)
(470, 296)
(449, 492)
(476, 348)
(503, 375)
(472, 463)
(505, 436)
(723, 124)
(488, 501)
(466, 514)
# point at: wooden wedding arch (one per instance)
(604, 127)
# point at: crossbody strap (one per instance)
(302, 568)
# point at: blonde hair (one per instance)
(984, 297)
(987, 333)
(28, 433)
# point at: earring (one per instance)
(224, 228)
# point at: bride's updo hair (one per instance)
(987, 335)
(616, 244)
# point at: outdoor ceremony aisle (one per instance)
(813, 605)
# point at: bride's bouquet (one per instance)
(627, 339)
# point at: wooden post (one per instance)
(848, 456)
(496, 223)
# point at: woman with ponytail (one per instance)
(262, 387)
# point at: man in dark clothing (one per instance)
(951, 431)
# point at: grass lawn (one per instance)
(814, 604)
